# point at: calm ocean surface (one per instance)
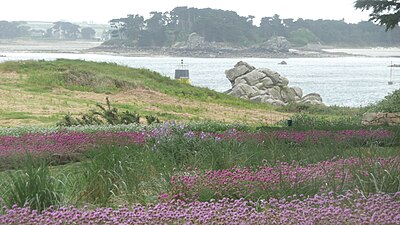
(344, 81)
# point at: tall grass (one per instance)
(116, 174)
(378, 178)
(33, 184)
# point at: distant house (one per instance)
(37, 33)
(111, 34)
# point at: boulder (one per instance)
(267, 82)
(288, 94)
(266, 86)
(241, 63)
(241, 68)
(275, 44)
(275, 92)
(298, 91)
(274, 76)
(236, 72)
(195, 41)
(243, 91)
(254, 77)
(283, 81)
(374, 119)
(312, 98)
(275, 102)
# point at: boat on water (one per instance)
(390, 82)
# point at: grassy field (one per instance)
(40, 92)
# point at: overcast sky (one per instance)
(101, 11)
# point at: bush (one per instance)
(390, 104)
(106, 115)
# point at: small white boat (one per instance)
(390, 82)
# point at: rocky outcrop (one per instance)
(265, 86)
(275, 44)
(381, 119)
(197, 42)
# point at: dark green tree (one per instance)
(384, 12)
(166, 29)
(13, 29)
(155, 34)
(224, 26)
(127, 28)
(88, 33)
(302, 36)
(134, 24)
(64, 30)
(118, 28)
(272, 26)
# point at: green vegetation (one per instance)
(33, 184)
(113, 175)
(109, 78)
(73, 86)
(390, 104)
(231, 29)
(302, 37)
(386, 13)
(106, 115)
(13, 29)
(223, 26)
(42, 30)
(326, 152)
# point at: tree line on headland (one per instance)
(58, 30)
(166, 29)
(216, 26)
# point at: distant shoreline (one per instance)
(95, 47)
(212, 53)
(371, 52)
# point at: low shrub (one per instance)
(105, 115)
(390, 104)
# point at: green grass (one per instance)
(180, 109)
(15, 115)
(80, 75)
(118, 175)
(35, 185)
(69, 86)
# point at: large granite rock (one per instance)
(381, 119)
(265, 86)
(196, 42)
(275, 44)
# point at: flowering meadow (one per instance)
(199, 174)
(349, 208)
